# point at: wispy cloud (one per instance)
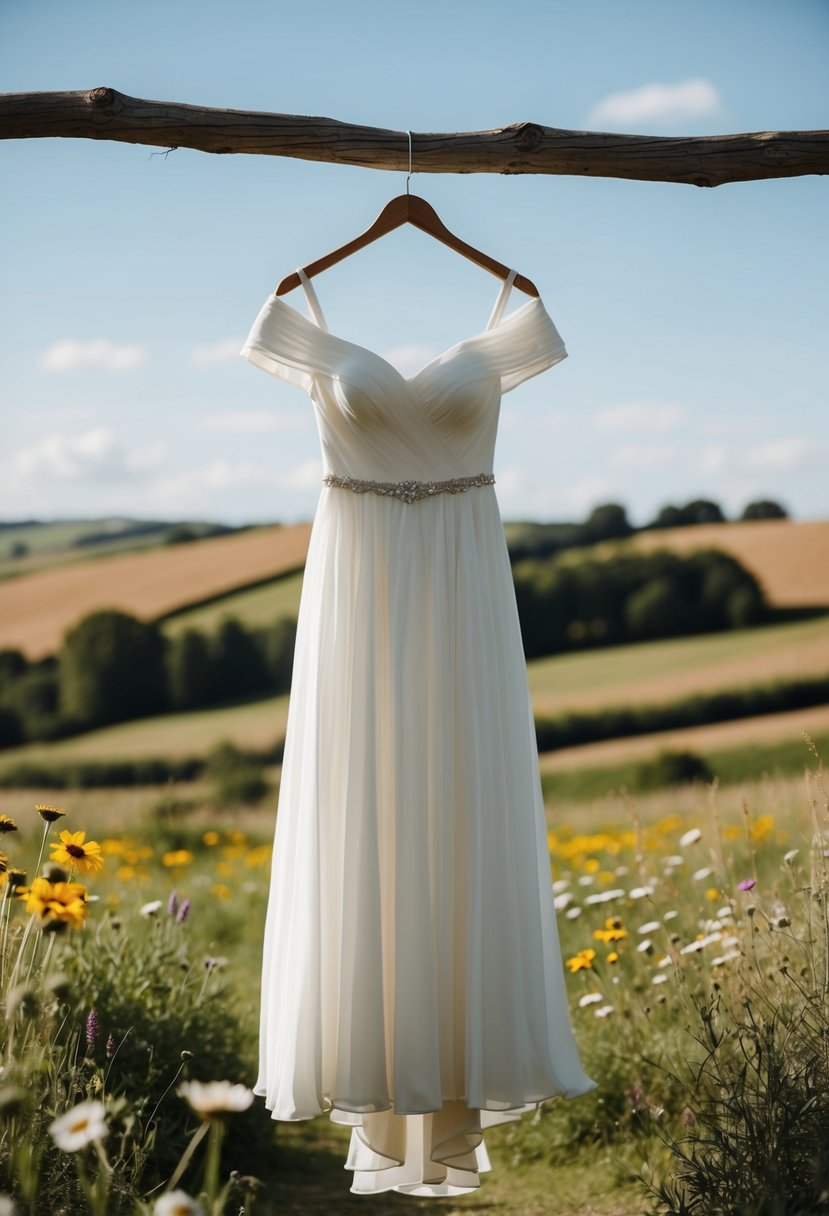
(211, 353)
(642, 416)
(93, 455)
(657, 104)
(98, 355)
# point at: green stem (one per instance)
(188, 1153)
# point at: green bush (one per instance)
(111, 668)
(672, 768)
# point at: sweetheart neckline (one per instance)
(409, 381)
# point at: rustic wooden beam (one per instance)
(521, 147)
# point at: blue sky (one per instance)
(695, 319)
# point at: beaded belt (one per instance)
(409, 491)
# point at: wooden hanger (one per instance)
(407, 209)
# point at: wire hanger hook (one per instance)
(410, 161)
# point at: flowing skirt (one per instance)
(412, 980)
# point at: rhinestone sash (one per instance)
(409, 491)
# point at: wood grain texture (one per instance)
(520, 147)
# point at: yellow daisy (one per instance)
(75, 850)
(48, 812)
(63, 901)
(7, 824)
(583, 961)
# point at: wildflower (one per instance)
(659, 979)
(73, 851)
(215, 1097)
(690, 837)
(151, 908)
(586, 880)
(725, 958)
(64, 902)
(110, 1045)
(172, 903)
(561, 901)
(589, 998)
(790, 856)
(177, 1203)
(222, 891)
(640, 892)
(4, 863)
(48, 812)
(703, 873)
(177, 857)
(92, 1029)
(645, 947)
(650, 927)
(573, 912)
(181, 916)
(210, 838)
(79, 1127)
(210, 962)
(604, 1011)
(712, 893)
(670, 915)
(7, 824)
(747, 884)
(583, 961)
(613, 957)
(603, 897)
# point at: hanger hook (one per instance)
(410, 161)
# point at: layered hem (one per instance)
(429, 1154)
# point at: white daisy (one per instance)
(725, 958)
(659, 979)
(640, 892)
(561, 901)
(79, 1126)
(561, 884)
(602, 897)
(669, 915)
(573, 912)
(151, 908)
(604, 1011)
(177, 1203)
(703, 873)
(790, 856)
(215, 1097)
(644, 946)
(690, 837)
(650, 927)
(590, 998)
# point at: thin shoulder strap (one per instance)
(312, 299)
(500, 303)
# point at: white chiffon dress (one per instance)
(412, 980)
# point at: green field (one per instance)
(257, 607)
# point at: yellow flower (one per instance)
(73, 851)
(609, 935)
(7, 824)
(210, 838)
(712, 893)
(582, 961)
(221, 890)
(613, 957)
(63, 901)
(48, 812)
(177, 857)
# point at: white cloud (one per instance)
(726, 425)
(188, 487)
(647, 455)
(642, 416)
(788, 454)
(658, 103)
(210, 353)
(255, 421)
(99, 355)
(72, 457)
(521, 495)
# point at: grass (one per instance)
(551, 1166)
(255, 607)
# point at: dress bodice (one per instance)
(373, 421)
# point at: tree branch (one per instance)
(522, 147)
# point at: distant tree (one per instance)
(18, 548)
(189, 670)
(702, 511)
(11, 727)
(608, 521)
(180, 534)
(236, 663)
(764, 508)
(699, 511)
(658, 610)
(111, 667)
(12, 664)
(277, 645)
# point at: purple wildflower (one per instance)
(92, 1028)
(747, 884)
(172, 904)
(183, 910)
(110, 1048)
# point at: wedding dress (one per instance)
(412, 981)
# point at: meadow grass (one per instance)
(654, 926)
